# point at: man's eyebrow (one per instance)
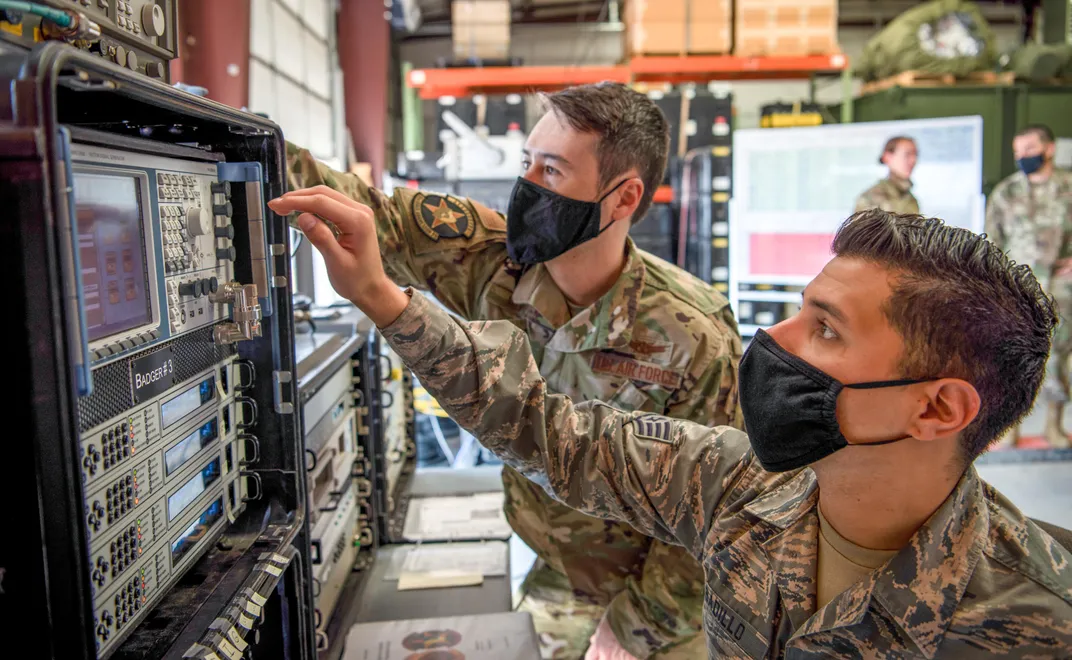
(828, 307)
(547, 156)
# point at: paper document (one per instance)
(488, 559)
(503, 636)
(469, 517)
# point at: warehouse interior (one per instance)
(362, 521)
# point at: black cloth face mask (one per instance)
(790, 407)
(541, 224)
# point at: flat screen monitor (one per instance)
(111, 243)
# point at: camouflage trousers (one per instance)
(1055, 388)
(564, 624)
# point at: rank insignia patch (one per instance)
(653, 427)
(443, 217)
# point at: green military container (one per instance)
(1004, 109)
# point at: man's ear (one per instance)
(1051, 150)
(628, 195)
(947, 407)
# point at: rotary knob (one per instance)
(154, 70)
(223, 209)
(153, 20)
(190, 289)
(225, 232)
(198, 221)
(226, 254)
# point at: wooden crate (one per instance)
(781, 27)
(923, 79)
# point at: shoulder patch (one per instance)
(492, 220)
(653, 427)
(441, 216)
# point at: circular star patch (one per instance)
(443, 217)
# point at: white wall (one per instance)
(568, 44)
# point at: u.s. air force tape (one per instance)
(653, 427)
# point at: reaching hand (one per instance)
(353, 258)
(605, 646)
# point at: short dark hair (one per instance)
(632, 131)
(1041, 130)
(891, 145)
(964, 311)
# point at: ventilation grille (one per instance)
(112, 395)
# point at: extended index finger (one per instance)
(318, 190)
(344, 214)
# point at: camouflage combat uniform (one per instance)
(977, 580)
(892, 194)
(1032, 223)
(659, 340)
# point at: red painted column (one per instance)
(214, 48)
(364, 48)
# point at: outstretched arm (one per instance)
(664, 477)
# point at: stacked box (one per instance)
(481, 29)
(678, 27)
(785, 27)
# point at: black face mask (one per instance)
(541, 224)
(790, 407)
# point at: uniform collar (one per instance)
(606, 323)
(939, 561)
(901, 185)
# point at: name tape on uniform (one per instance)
(613, 364)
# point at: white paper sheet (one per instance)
(469, 517)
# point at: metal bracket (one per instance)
(279, 379)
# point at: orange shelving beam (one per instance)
(702, 68)
(436, 83)
(663, 195)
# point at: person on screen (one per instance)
(1029, 215)
(894, 193)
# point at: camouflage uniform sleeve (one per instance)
(667, 601)
(664, 477)
(868, 199)
(449, 246)
(996, 207)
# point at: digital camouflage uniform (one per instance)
(1032, 223)
(977, 580)
(660, 340)
(892, 194)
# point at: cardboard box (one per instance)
(481, 29)
(658, 11)
(710, 11)
(783, 27)
(678, 27)
(655, 38)
(710, 38)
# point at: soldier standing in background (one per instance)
(1029, 216)
(894, 193)
(605, 321)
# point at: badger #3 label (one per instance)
(152, 374)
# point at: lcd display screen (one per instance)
(175, 409)
(189, 447)
(196, 531)
(111, 245)
(193, 488)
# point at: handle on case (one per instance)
(73, 264)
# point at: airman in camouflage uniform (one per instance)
(978, 579)
(894, 193)
(660, 340)
(1031, 220)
